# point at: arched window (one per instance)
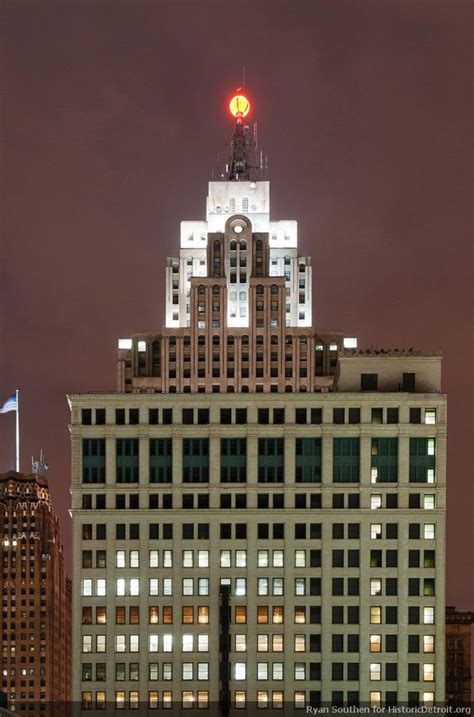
(274, 289)
(259, 245)
(243, 245)
(245, 340)
(230, 341)
(259, 289)
(215, 341)
(217, 245)
(201, 340)
(233, 246)
(215, 289)
(259, 340)
(201, 289)
(274, 339)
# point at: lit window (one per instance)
(153, 586)
(277, 643)
(134, 586)
(153, 616)
(203, 670)
(167, 643)
(430, 475)
(240, 558)
(120, 700)
(428, 672)
(240, 671)
(86, 589)
(187, 671)
(87, 643)
(167, 697)
(300, 700)
(375, 700)
(262, 699)
(226, 560)
(300, 643)
(278, 558)
(241, 643)
(375, 501)
(375, 586)
(429, 531)
(431, 447)
(277, 586)
(277, 615)
(262, 670)
(134, 643)
(134, 558)
(120, 643)
(167, 558)
(240, 699)
(120, 558)
(203, 643)
(187, 643)
(375, 531)
(300, 558)
(203, 586)
(187, 699)
(277, 671)
(430, 416)
(300, 615)
(277, 699)
(203, 615)
(428, 699)
(375, 643)
(428, 643)
(167, 586)
(428, 616)
(240, 615)
(262, 614)
(120, 586)
(240, 586)
(188, 586)
(375, 671)
(300, 671)
(262, 558)
(100, 587)
(374, 474)
(300, 586)
(187, 615)
(187, 558)
(262, 586)
(153, 560)
(100, 643)
(262, 643)
(375, 615)
(203, 558)
(429, 501)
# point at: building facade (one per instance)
(36, 599)
(259, 510)
(458, 656)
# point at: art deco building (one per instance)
(258, 511)
(458, 656)
(36, 599)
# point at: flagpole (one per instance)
(17, 431)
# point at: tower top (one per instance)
(239, 166)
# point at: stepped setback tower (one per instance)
(259, 510)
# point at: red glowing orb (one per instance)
(239, 106)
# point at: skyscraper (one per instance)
(36, 598)
(258, 512)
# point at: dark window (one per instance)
(346, 460)
(353, 615)
(391, 586)
(278, 415)
(161, 460)
(414, 500)
(392, 531)
(278, 500)
(241, 415)
(120, 416)
(369, 381)
(391, 614)
(415, 415)
(315, 614)
(133, 416)
(413, 558)
(392, 415)
(188, 501)
(133, 501)
(168, 531)
(413, 671)
(414, 531)
(353, 586)
(308, 460)
(100, 531)
(86, 416)
(226, 416)
(203, 501)
(120, 531)
(315, 643)
(337, 586)
(315, 500)
(262, 531)
(391, 500)
(195, 460)
(391, 558)
(338, 531)
(384, 460)
(188, 416)
(300, 531)
(300, 415)
(153, 501)
(353, 643)
(377, 415)
(413, 643)
(153, 416)
(134, 531)
(413, 586)
(93, 460)
(203, 531)
(263, 501)
(270, 460)
(241, 531)
(300, 500)
(353, 531)
(391, 672)
(354, 415)
(314, 561)
(338, 500)
(338, 415)
(226, 531)
(413, 615)
(153, 531)
(120, 501)
(422, 461)
(337, 558)
(241, 500)
(126, 460)
(233, 460)
(353, 558)
(167, 416)
(203, 415)
(316, 415)
(188, 531)
(263, 415)
(391, 643)
(408, 382)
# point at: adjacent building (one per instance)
(259, 510)
(36, 598)
(458, 656)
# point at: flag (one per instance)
(9, 405)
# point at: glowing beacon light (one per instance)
(239, 106)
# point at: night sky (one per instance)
(113, 114)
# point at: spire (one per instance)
(239, 167)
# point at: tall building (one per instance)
(259, 510)
(458, 656)
(36, 599)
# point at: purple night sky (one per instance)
(113, 114)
